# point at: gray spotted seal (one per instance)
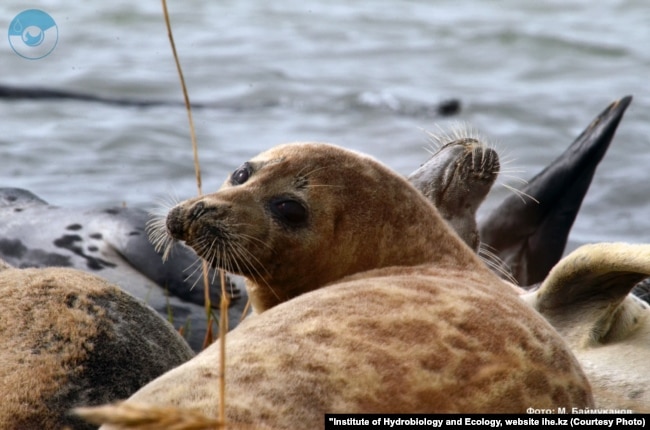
(69, 338)
(366, 301)
(111, 243)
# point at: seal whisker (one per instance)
(227, 254)
(165, 203)
(516, 178)
(251, 238)
(206, 250)
(432, 140)
(247, 258)
(493, 261)
(156, 226)
(507, 161)
(520, 193)
(457, 131)
(193, 267)
(324, 186)
(430, 149)
(513, 170)
(156, 230)
(198, 266)
(311, 172)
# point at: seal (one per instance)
(69, 338)
(457, 178)
(529, 237)
(111, 243)
(366, 301)
(11, 92)
(586, 297)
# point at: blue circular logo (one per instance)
(33, 34)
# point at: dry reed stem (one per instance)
(223, 326)
(148, 417)
(134, 416)
(223, 329)
(186, 97)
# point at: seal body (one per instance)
(586, 297)
(68, 338)
(366, 302)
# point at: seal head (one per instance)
(456, 179)
(284, 220)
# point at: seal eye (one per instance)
(289, 211)
(241, 175)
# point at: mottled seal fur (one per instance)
(366, 301)
(586, 298)
(68, 338)
(111, 243)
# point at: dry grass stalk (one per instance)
(223, 326)
(147, 417)
(223, 329)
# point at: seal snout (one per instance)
(485, 161)
(174, 223)
(182, 216)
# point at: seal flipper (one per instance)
(586, 296)
(529, 237)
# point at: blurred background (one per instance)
(530, 76)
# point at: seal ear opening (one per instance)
(589, 290)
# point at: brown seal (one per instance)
(366, 301)
(68, 338)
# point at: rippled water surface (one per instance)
(365, 75)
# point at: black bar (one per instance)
(485, 421)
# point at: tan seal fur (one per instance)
(68, 338)
(586, 298)
(366, 300)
